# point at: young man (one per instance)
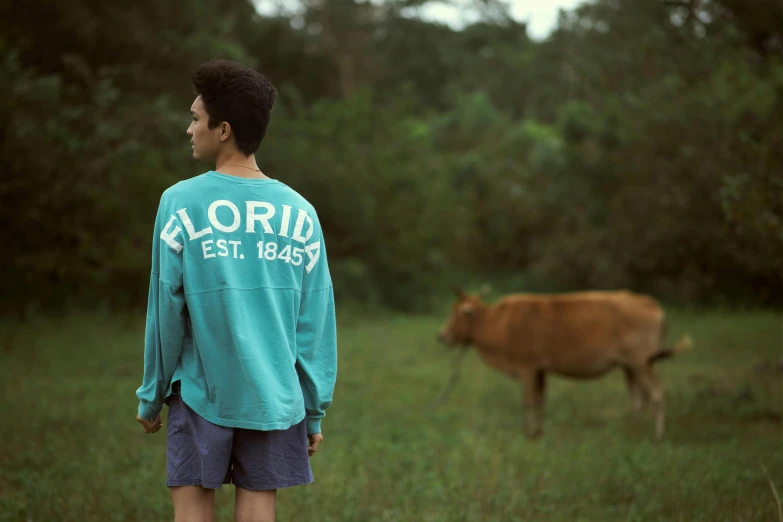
(241, 337)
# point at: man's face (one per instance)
(206, 142)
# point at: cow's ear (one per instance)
(467, 309)
(458, 292)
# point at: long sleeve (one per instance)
(316, 360)
(316, 342)
(167, 316)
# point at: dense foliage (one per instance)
(639, 146)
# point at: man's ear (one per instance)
(225, 131)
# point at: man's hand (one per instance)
(312, 443)
(150, 426)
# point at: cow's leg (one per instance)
(533, 399)
(654, 391)
(638, 396)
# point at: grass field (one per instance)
(72, 451)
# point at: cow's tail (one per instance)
(664, 352)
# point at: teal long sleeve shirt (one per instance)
(241, 306)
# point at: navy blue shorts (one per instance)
(199, 453)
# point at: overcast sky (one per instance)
(541, 15)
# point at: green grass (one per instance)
(72, 451)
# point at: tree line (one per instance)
(639, 146)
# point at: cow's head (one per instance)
(458, 328)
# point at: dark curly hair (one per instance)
(238, 95)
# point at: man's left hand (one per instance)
(150, 426)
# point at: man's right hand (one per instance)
(312, 443)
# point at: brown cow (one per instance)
(577, 335)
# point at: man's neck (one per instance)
(239, 165)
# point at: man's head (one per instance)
(232, 109)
